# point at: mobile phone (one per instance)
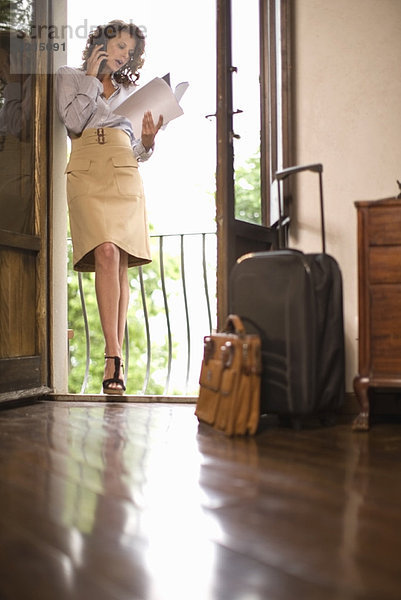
(99, 41)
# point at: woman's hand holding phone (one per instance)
(95, 60)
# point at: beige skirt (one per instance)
(105, 196)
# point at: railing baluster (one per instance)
(126, 359)
(148, 346)
(186, 263)
(206, 286)
(184, 291)
(163, 282)
(85, 316)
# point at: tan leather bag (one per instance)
(229, 394)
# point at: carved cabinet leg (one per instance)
(361, 388)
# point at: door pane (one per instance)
(16, 190)
(246, 97)
(23, 284)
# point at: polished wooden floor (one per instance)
(136, 502)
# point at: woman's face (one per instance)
(119, 50)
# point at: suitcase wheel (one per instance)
(290, 421)
(296, 423)
(327, 419)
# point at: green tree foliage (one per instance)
(16, 14)
(247, 191)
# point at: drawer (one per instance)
(384, 225)
(385, 264)
(385, 330)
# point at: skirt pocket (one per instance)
(127, 176)
(77, 177)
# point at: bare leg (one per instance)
(107, 283)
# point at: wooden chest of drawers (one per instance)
(379, 296)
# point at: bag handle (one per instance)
(234, 325)
(281, 175)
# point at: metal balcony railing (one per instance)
(172, 306)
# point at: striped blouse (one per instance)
(81, 105)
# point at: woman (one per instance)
(104, 189)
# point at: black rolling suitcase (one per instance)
(294, 302)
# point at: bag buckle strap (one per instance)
(227, 354)
(101, 139)
(208, 348)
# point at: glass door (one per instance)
(23, 201)
(246, 110)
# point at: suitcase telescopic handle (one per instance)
(283, 174)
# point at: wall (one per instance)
(347, 92)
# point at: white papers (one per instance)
(156, 96)
(180, 89)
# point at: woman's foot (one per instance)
(113, 382)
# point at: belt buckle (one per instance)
(100, 135)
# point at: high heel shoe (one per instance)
(117, 391)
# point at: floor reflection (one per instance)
(130, 493)
(120, 501)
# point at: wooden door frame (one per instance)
(42, 162)
(26, 376)
(236, 237)
(225, 159)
